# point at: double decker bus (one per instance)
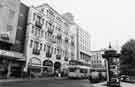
(78, 71)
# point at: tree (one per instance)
(127, 59)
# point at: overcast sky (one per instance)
(106, 20)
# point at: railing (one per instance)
(38, 24)
(58, 57)
(36, 52)
(66, 58)
(53, 40)
(48, 54)
(50, 31)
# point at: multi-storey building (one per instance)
(49, 42)
(97, 61)
(84, 45)
(13, 19)
(82, 41)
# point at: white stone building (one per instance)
(97, 61)
(49, 42)
(82, 41)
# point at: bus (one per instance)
(78, 72)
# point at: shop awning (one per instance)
(17, 55)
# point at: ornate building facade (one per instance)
(49, 42)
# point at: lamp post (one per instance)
(112, 56)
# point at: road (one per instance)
(47, 83)
(56, 83)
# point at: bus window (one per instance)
(83, 70)
(72, 69)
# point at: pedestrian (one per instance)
(59, 74)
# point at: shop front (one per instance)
(11, 64)
(48, 68)
(34, 67)
(64, 71)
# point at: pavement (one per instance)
(29, 79)
(123, 84)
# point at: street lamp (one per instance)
(112, 71)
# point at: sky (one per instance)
(106, 20)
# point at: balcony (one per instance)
(36, 52)
(50, 31)
(52, 39)
(66, 58)
(38, 24)
(59, 36)
(48, 55)
(58, 57)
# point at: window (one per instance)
(40, 46)
(42, 33)
(52, 50)
(44, 47)
(55, 51)
(36, 45)
(31, 43)
(83, 71)
(43, 21)
(11, 14)
(9, 27)
(42, 9)
(48, 49)
(36, 32)
(32, 31)
(38, 19)
(34, 16)
(45, 35)
(72, 69)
